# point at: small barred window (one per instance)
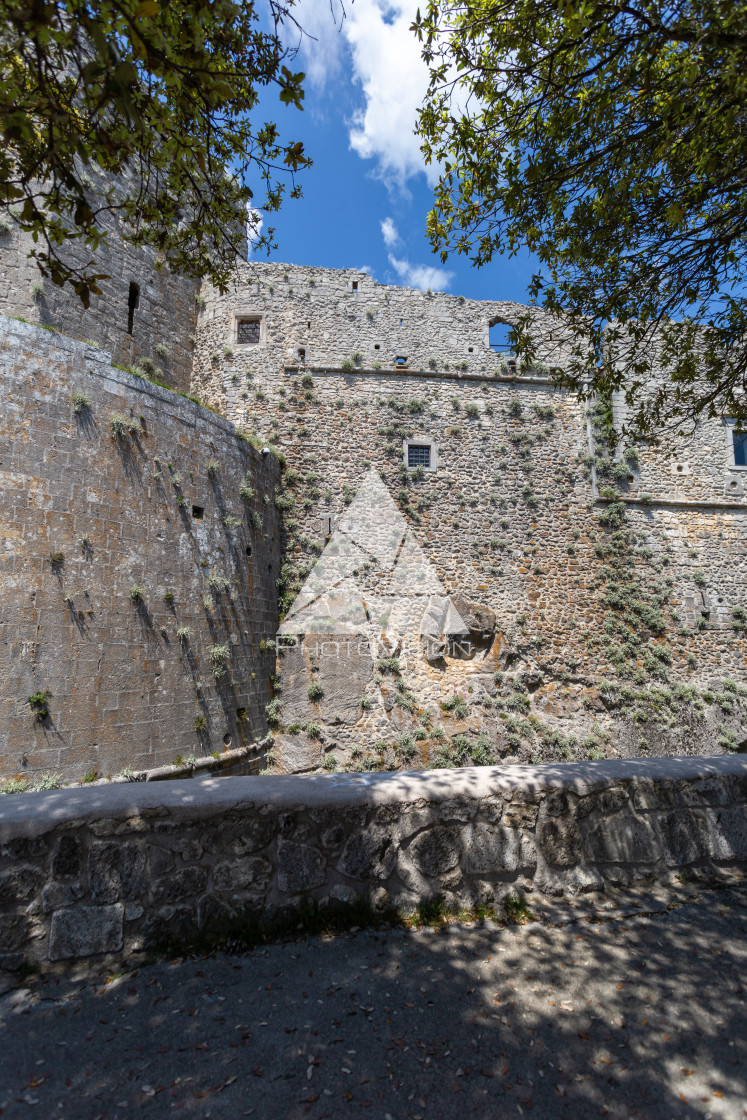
(247, 330)
(418, 455)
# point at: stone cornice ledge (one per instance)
(36, 813)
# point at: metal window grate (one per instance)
(418, 455)
(740, 449)
(247, 330)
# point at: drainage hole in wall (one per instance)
(679, 468)
(227, 738)
(198, 512)
(248, 550)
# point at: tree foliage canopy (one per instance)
(162, 95)
(610, 138)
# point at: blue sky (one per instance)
(367, 196)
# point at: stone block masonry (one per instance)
(108, 874)
(647, 597)
(143, 310)
(138, 571)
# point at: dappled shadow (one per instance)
(637, 1017)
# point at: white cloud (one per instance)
(254, 223)
(421, 275)
(322, 47)
(384, 57)
(389, 233)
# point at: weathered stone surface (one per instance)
(57, 895)
(477, 617)
(115, 870)
(340, 837)
(85, 931)
(370, 855)
(185, 882)
(727, 831)
(435, 851)
(123, 682)
(160, 861)
(621, 838)
(242, 874)
(684, 836)
(560, 842)
(297, 753)
(493, 850)
(13, 932)
(213, 913)
(299, 867)
(19, 885)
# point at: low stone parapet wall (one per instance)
(114, 871)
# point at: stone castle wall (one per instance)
(162, 324)
(514, 520)
(137, 584)
(107, 875)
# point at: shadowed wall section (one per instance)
(122, 869)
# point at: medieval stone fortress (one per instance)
(176, 461)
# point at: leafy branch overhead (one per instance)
(609, 138)
(164, 97)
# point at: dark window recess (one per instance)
(377, 346)
(740, 449)
(241, 714)
(301, 354)
(471, 349)
(248, 550)
(247, 330)
(198, 512)
(355, 285)
(133, 302)
(400, 361)
(418, 455)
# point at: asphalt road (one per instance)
(635, 1015)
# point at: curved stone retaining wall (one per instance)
(138, 569)
(113, 871)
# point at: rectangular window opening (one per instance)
(247, 331)
(418, 455)
(198, 512)
(133, 301)
(740, 448)
(400, 361)
(355, 285)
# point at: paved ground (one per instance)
(638, 1015)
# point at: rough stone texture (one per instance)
(508, 521)
(168, 862)
(165, 315)
(123, 689)
(85, 931)
(295, 754)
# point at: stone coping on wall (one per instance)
(33, 814)
(93, 355)
(89, 875)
